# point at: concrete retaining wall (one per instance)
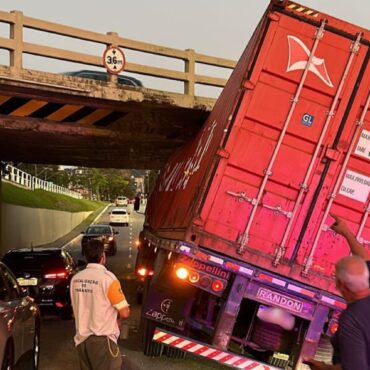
(21, 226)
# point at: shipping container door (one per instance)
(282, 136)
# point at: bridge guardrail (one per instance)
(17, 46)
(17, 176)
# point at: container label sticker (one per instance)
(363, 145)
(280, 300)
(355, 186)
(307, 119)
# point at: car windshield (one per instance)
(119, 213)
(23, 262)
(98, 230)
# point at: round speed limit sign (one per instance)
(114, 59)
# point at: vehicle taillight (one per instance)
(217, 286)
(333, 327)
(56, 275)
(144, 272)
(205, 281)
(182, 273)
(193, 277)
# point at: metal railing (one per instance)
(17, 47)
(26, 180)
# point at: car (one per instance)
(121, 201)
(103, 232)
(103, 76)
(19, 324)
(46, 274)
(119, 216)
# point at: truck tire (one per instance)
(272, 337)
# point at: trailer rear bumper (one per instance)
(206, 351)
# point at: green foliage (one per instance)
(43, 199)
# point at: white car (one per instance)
(119, 216)
(121, 201)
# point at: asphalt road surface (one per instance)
(57, 348)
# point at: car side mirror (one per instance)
(109, 213)
(82, 232)
(116, 232)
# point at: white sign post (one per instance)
(114, 59)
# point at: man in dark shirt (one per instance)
(352, 342)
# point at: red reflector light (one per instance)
(205, 282)
(56, 275)
(193, 277)
(182, 273)
(59, 304)
(333, 327)
(217, 286)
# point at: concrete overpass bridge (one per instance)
(53, 118)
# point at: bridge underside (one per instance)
(47, 118)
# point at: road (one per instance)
(57, 351)
(57, 348)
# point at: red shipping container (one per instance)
(287, 143)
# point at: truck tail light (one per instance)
(205, 281)
(217, 286)
(182, 273)
(193, 277)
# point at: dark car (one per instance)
(19, 325)
(105, 233)
(103, 76)
(46, 274)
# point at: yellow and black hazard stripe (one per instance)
(58, 112)
(302, 10)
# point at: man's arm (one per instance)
(356, 247)
(118, 299)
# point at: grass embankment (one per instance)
(44, 199)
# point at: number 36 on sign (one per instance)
(114, 59)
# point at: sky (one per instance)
(214, 27)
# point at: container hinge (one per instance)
(248, 85)
(198, 222)
(279, 253)
(242, 197)
(242, 240)
(223, 153)
(277, 209)
(274, 16)
(307, 265)
(332, 154)
(355, 46)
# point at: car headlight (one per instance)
(110, 238)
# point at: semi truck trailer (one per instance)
(237, 255)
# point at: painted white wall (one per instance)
(21, 226)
